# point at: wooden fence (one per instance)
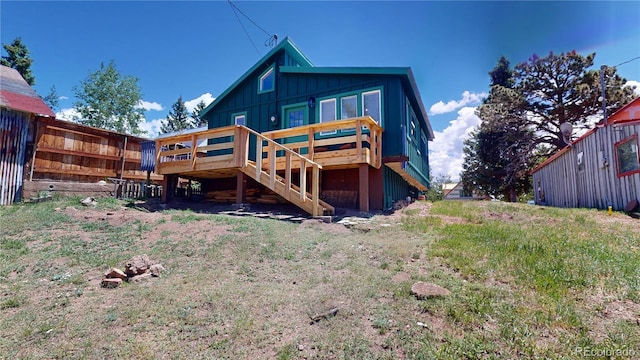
(67, 151)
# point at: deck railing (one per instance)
(228, 147)
(339, 143)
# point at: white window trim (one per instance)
(270, 71)
(236, 116)
(379, 121)
(335, 102)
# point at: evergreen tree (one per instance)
(18, 58)
(559, 89)
(52, 99)
(496, 157)
(195, 115)
(108, 100)
(177, 119)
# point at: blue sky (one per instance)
(197, 49)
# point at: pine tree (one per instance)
(18, 58)
(195, 115)
(177, 119)
(496, 157)
(52, 99)
(559, 89)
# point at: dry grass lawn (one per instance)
(526, 282)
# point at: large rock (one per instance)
(138, 264)
(423, 290)
(89, 201)
(156, 269)
(114, 273)
(111, 283)
(141, 277)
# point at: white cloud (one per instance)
(636, 84)
(445, 154)
(152, 127)
(148, 106)
(63, 98)
(191, 104)
(70, 114)
(468, 98)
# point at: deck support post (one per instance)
(147, 192)
(169, 183)
(376, 188)
(241, 187)
(363, 187)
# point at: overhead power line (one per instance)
(628, 61)
(270, 42)
(233, 7)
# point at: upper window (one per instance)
(327, 113)
(371, 105)
(240, 119)
(268, 80)
(348, 107)
(627, 156)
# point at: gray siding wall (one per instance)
(564, 184)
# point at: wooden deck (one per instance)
(307, 149)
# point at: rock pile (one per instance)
(137, 269)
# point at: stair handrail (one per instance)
(280, 146)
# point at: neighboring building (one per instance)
(20, 107)
(599, 169)
(456, 191)
(41, 154)
(365, 128)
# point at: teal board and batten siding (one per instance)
(416, 145)
(297, 83)
(245, 97)
(564, 183)
(395, 187)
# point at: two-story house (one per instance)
(351, 137)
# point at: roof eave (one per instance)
(418, 97)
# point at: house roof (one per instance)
(629, 112)
(404, 73)
(291, 49)
(16, 94)
(306, 67)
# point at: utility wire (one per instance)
(628, 61)
(248, 18)
(270, 42)
(233, 7)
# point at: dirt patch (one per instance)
(499, 216)
(333, 228)
(610, 312)
(617, 219)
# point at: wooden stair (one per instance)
(305, 200)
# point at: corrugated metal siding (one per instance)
(564, 185)
(14, 126)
